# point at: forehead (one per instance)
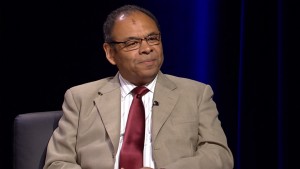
(134, 24)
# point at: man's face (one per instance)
(141, 65)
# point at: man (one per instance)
(182, 129)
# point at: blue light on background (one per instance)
(188, 34)
(202, 31)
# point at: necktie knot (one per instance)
(131, 154)
(140, 91)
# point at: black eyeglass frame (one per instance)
(139, 40)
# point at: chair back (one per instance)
(32, 132)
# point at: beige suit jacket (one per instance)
(186, 131)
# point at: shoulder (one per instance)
(185, 82)
(187, 86)
(93, 85)
(88, 90)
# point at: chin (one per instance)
(150, 72)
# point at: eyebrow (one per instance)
(134, 37)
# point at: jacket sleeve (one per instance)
(211, 151)
(61, 151)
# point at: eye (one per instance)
(131, 43)
(152, 38)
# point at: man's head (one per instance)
(133, 43)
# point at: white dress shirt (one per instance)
(126, 99)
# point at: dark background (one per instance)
(247, 50)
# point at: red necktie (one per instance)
(131, 155)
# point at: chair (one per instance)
(32, 132)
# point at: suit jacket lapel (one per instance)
(167, 98)
(109, 107)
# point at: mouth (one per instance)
(148, 62)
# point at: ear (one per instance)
(109, 53)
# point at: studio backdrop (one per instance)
(247, 50)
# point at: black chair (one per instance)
(32, 132)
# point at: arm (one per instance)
(210, 149)
(61, 152)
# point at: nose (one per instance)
(145, 48)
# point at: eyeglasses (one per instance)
(133, 44)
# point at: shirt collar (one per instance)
(126, 86)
